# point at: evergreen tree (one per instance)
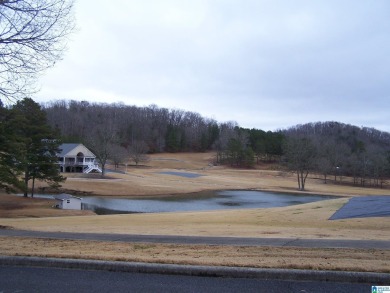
(37, 142)
(10, 149)
(173, 139)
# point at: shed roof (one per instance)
(64, 196)
(72, 149)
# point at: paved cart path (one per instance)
(236, 241)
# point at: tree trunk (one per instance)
(301, 177)
(26, 184)
(103, 169)
(304, 179)
(299, 180)
(33, 187)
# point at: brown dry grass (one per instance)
(303, 221)
(148, 180)
(241, 256)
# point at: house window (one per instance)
(80, 157)
(68, 201)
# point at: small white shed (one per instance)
(67, 202)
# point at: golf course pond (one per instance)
(202, 201)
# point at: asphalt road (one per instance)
(237, 241)
(37, 279)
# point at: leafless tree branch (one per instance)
(32, 38)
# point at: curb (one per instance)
(204, 271)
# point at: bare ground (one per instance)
(303, 221)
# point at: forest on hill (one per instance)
(30, 135)
(116, 131)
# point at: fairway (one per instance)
(310, 220)
(163, 176)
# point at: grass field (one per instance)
(301, 221)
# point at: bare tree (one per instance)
(300, 154)
(138, 152)
(330, 156)
(118, 155)
(32, 39)
(226, 133)
(102, 137)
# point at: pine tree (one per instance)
(38, 145)
(10, 149)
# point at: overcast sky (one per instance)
(266, 64)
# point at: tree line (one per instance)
(116, 131)
(335, 150)
(30, 135)
(332, 149)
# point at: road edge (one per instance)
(204, 271)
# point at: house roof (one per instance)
(72, 149)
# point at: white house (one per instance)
(75, 157)
(67, 202)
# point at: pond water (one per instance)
(217, 200)
(182, 174)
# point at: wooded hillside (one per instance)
(337, 149)
(115, 131)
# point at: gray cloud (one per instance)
(265, 64)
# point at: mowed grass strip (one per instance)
(362, 260)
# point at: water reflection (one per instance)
(227, 199)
